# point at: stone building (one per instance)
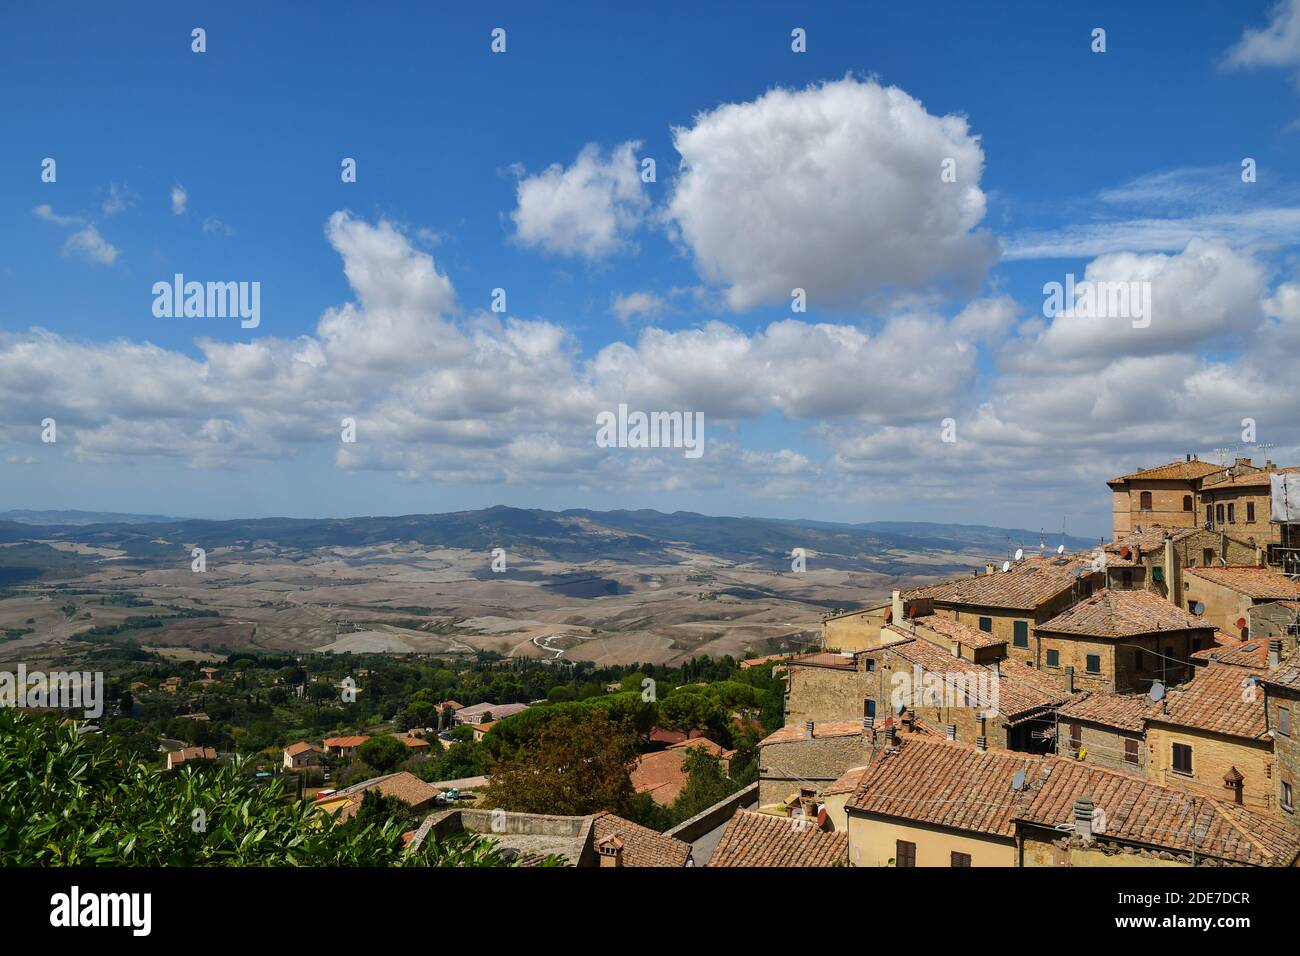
(1120, 642)
(1275, 619)
(1006, 604)
(1155, 558)
(824, 686)
(795, 764)
(1211, 736)
(933, 802)
(855, 630)
(1105, 729)
(1282, 713)
(1167, 495)
(1238, 503)
(1228, 593)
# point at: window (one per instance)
(1284, 721)
(1144, 501)
(986, 625)
(1187, 502)
(868, 708)
(1020, 635)
(1183, 759)
(905, 854)
(1287, 805)
(871, 664)
(1250, 511)
(1209, 514)
(1126, 577)
(1208, 555)
(1094, 664)
(1130, 751)
(1076, 736)
(960, 859)
(1218, 513)
(1231, 513)
(1053, 658)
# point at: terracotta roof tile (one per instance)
(641, 845)
(1125, 711)
(957, 631)
(1119, 613)
(821, 729)
(1027, 585)
(848, 781)
(354, 741)
(1020, 688)
(946, 783)
(301, 747)
(1177, 470)
(1288, 675)
(1250, 654)
(1147, 540)
(1253, 581)
(1139, 811)
(1220, 699)
(763, 839)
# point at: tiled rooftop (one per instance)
(1121, 613)
(1254, 581)
(1027, 585)
(764, 839)
(1220, 698)
(1178, 470)
(1125, 711)
(641, 845)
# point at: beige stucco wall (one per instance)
(872, 842)
(1212, 756)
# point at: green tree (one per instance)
(68, 801)
(578, 765)
(383, 753)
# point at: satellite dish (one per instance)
(901, 709)
(1018, 781)
(1078, 572)
(1157, 693)
(1020, 554)
(1241, 622)
(1060, 549)
(1006, 565)
(1198, 608)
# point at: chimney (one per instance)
(956, 649)
(997, 668)
(867, 726)
(610, 851)
(1232, 780)
(952, 731)
(981, 741)
(909, 720)
(1069, 679)
(897, 614)
(990, 568)
(1189, 456)
(1083, 818)
(808, 729)
(1274, 653)
(891, 736)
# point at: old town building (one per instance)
(1120, 642)
(1166, 495)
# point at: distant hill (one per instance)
(577, 535)
(78, 517)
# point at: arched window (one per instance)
(1144, 501)
(1187, 502)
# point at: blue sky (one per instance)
(1126, 162)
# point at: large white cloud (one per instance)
(835, 189)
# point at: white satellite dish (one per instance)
(1006, 565)
(1198, 608)
(1020, 554)
(1157, 693)
(1018, 780)
(1060, 549)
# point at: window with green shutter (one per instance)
(1020, 637)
